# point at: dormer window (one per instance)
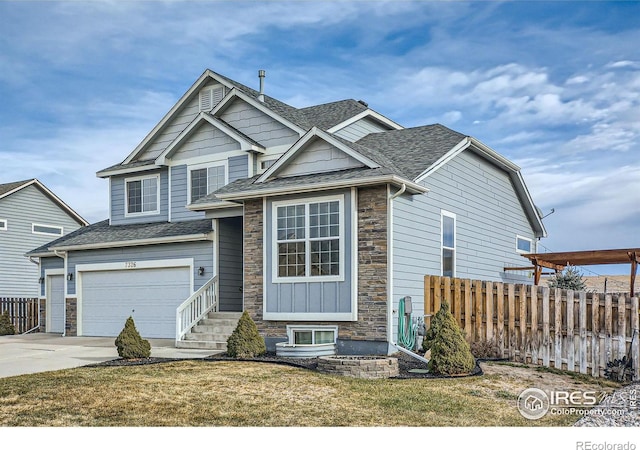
(142, 195)
(210, 97)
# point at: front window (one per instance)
(308, 239)
(448, 244)
(206, 180)
(142, 195)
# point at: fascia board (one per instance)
(16, 189)
(366, 113)
(216, 205)
(127, 170)
(135, 242)
(412, 187)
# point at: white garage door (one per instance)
(150, 296)
(55, 307)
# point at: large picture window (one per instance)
(143, 195)
(206, 180)
(309, 239)
(448, 244)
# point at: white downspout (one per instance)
(63, 255)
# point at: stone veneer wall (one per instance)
(372, 272)
(43, 315)
(71, 321)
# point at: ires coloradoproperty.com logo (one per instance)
(534, 403)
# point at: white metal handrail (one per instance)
(196, 307)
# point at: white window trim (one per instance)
(126, 196)
(531, 244)
(291, 329)
(34, 225)
(224, 163)
(444, 214)
(275, 278)
(4, 224)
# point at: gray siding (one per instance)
(257, 125)
(360, 129)
(180, 196)
(19, 276)
(201, 252)
(319, 157)
(312, 297)
(230, 263)
(205, 140)
(173, 128)
(488, 217)
(118, 200)
(47, 264)
(238, 168)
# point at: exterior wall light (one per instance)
(70, 276)
(200, 270)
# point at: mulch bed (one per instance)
(409, 367)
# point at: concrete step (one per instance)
(231, 323)
(207, 345)
(225, 315)
(213, 337)
(213, 328)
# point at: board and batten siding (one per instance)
(201, 252)
(229, 232)
(257, 125)
(319, 157)
(489, 215)
(18, 275)
(360, 129)
(204, 141)
(173, 128)
(310, 297)
(118, 193)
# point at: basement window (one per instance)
(312, 335)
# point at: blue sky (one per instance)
(553, 86)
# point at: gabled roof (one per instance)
(10, 188)
(103, 235)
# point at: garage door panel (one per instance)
(151, 296)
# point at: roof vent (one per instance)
(261, 75)
(362, 102)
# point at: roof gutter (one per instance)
(410, 186)
(133, 243)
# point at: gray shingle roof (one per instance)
(146, 162)
(413, 150)
(329, 115)
(103, 233)
(8, 187)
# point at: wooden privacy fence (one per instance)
(576, 331)
(23, 312)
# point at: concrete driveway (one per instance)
(42, 352)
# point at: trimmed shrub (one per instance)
(130, 344)
(431, 333)
(450, 352)
(6, 326)
(245, 341)
(485, 349)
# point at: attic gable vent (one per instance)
(210, 97)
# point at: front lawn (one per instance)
(229, 393)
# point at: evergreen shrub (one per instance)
(450, 352)
(130, 344)
(245, 341)
(6, 326)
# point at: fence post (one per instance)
(534, 325)
(608, 328)
(635, 347)
(523, 323)
(511, 292)
(428, 307)
(595, 335)
(468, 309)
(622, 330)
(571, 351)
(546, 331)
(583, 331)
(489, 309)
(500, 308)
(558, 329)
(477, 298)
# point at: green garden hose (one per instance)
(406, 332)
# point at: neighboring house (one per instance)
(316, 221)
(30, 216)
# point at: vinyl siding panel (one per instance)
(48, 264)
(257, 125)
(117, 186)
(19, 276)
(205, 140)
(238, 168)
(201, 252)
(308, 297)
(179, 196)
(360, 129)
(230, 263)
(319, 157)
(489, 215)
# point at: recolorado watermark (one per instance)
(534, 403)
(589, 445)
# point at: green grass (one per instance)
(222, 393)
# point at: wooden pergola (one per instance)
(559, 260)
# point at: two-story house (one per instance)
(315, 220)
(31, 215)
